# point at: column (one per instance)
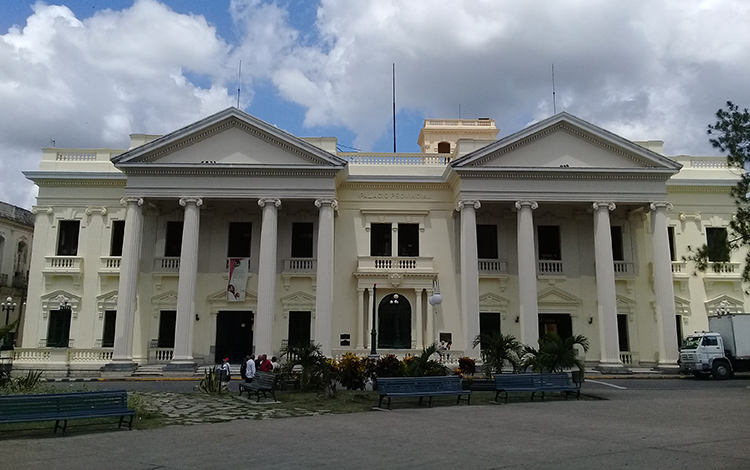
(418, 319)
(360, 318)
(605, 288)
(469, 274)
(183, 334)
(430, 327)
(664, 287)
(264, 319)
(324, 276)
(527, 289)
(122, 355)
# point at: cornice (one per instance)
(699, 189)
(402, 186)
(561, 174)
(231, 171)
(121, 183)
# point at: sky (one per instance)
(87, 73)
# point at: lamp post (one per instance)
(7, 307)
(435, 299)
(374, 333)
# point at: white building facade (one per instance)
(562, 227)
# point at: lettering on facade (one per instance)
(394, 195)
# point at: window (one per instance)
(672, 252)
(299, 328)
(710, 341)
(618, 251)
(108, 334)
(549, 242)
(487, 241)
(444, 147)
(716, 239)
(58, 329)
(240, 235)
(380, 240)
(560, 324)
(118, 236)
(408, 239)
(302, 240)
(622, 332)
(167, 320)
(173, 241)
(67, 238)
(489, 324)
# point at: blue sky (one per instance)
(88, 73)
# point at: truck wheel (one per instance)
(721, 370)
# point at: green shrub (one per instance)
(467, 365)
(211, 382)
(353, 371)
(29, 383)
(389, 366)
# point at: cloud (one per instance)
(92, 82)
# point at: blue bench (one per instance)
(422, 387)
(65, 406)
(535, 383)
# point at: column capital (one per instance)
(601, 205)
(131, 200)
(467, 203)
(184, 201)
(327, 201)
(262, 202)
(532, 204)
(661, 205)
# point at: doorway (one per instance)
(555, 323)
(234, 336)
(394, 322)
(299, 328)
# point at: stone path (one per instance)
(197, 408)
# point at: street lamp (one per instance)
(7, 307)
(435, 299)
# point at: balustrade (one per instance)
(300, 264)
(493, 266)
(550, 267)
(624, 268)
(167, 265)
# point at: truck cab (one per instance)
(703, 354)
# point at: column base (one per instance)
(180, 368)
(612, 368)
(119, 369)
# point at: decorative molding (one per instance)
(532, 204)
(262, 202)
(467, 203)
(664, 205)
(184, 201)
(327, 201)
(131, 200)
(609, 205)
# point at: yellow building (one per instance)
(229, 237)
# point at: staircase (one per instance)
(149, 370)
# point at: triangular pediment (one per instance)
(556, 296)
(566, 143)
(165, 298)
(221, 296)
(298, 299)
(493, 302)
(230, 138)
(724, 304)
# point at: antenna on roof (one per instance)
(239, 84)
(394, 107)
(554, 103)
(459, 110)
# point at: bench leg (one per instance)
(57, 423)
(380, 402)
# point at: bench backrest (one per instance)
(265, 380)
(555, 379)
(68, 403)
(418, 384)
(560, 379)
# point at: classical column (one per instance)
(418, 318)
(183, 331)
(264, 319)
(122, 356)
(527, 289)
(360, 318)
(605, 288)
(324, 276)
(431, 320)
(469, 274)
(664, 287)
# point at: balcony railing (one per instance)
(547, 267)
(63, 264)
(495, 266)
(391, 159)
(302, 265)
(629, 358)
(383, 264)
(679, 267)
(624, 268)
(110, 263)
(722, 268)
(167, 264)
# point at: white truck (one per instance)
(720, 352)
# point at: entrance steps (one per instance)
(149, 370)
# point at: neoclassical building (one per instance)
(230, 236)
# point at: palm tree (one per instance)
(423, 366)
(556, 354)
(498, 348)
(308, 356)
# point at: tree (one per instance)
(731, 135)
(556, 354)
(498, 348)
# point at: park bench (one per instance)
(64, 406)
(422, 387)
(535, 383)
(263, 382)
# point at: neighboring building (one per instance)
(16, 231)
(561, 227)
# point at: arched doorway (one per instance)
(394, 322)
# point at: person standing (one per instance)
(265, 364)
(250, 369)
(225, 372)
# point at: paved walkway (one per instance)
(702, 428)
